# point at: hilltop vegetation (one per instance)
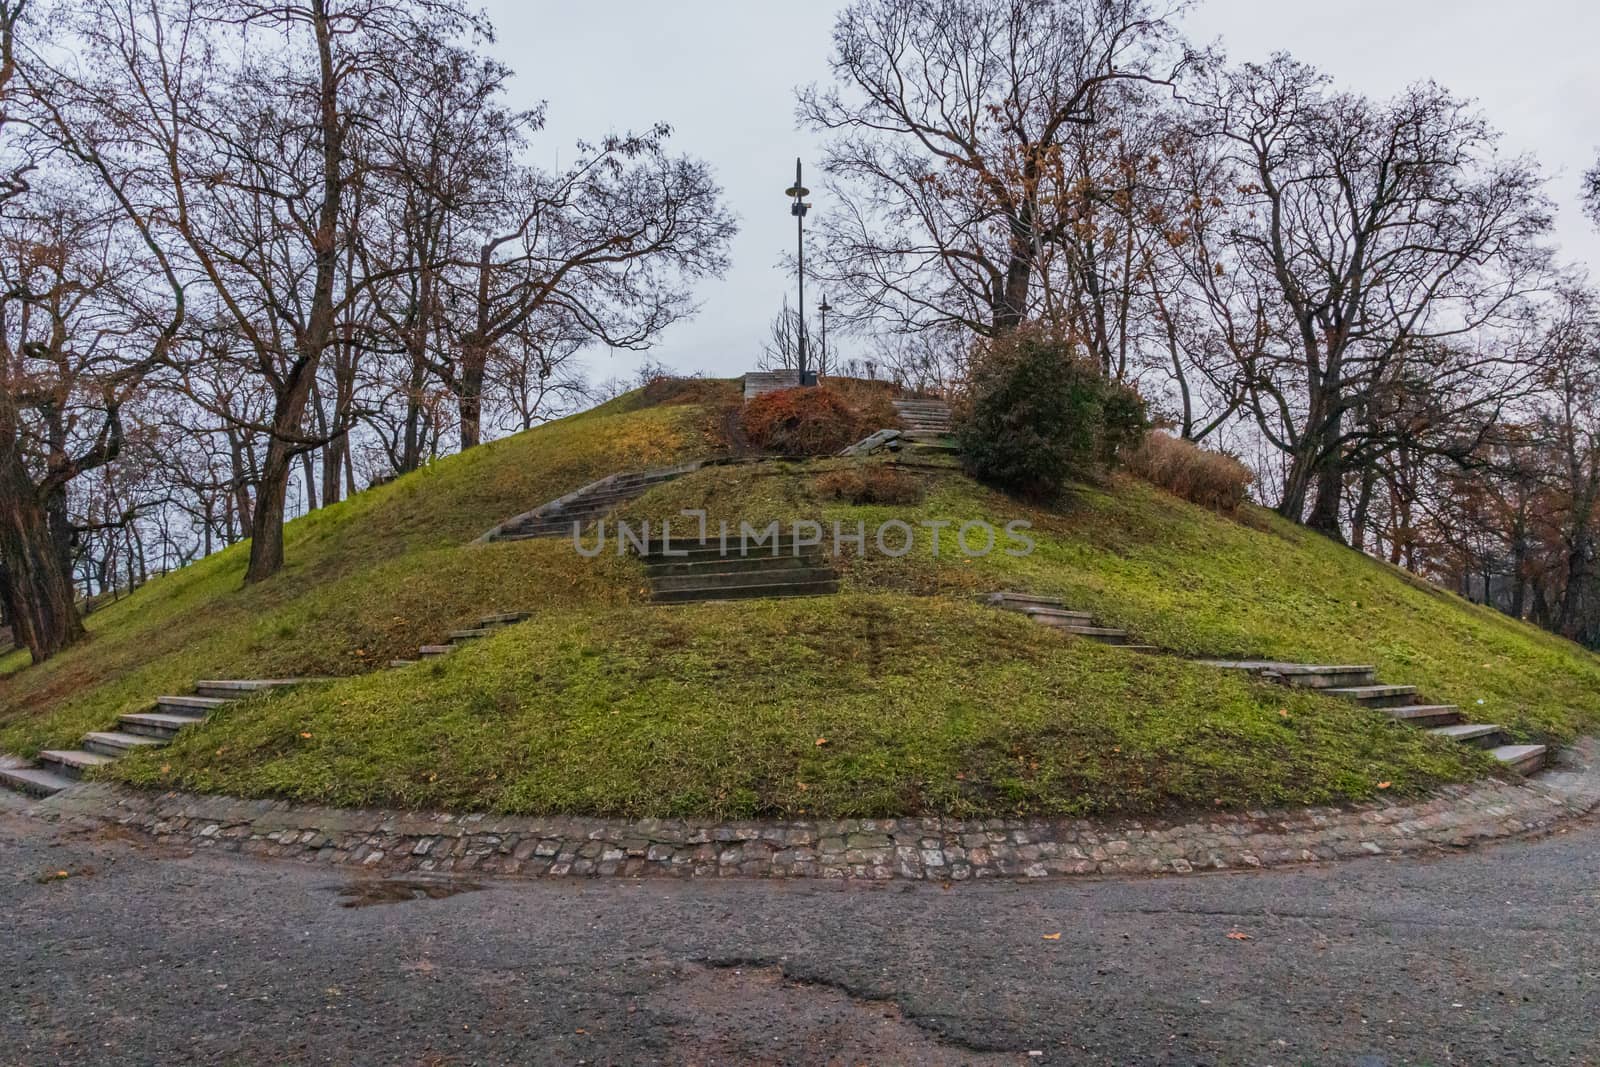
(901, 695)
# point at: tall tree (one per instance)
(1367, 244)
(235, 158)
(949, 123)
(612, 245)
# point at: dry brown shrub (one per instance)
(1210, 479)
(871, 485)
(814, 421)
(664, 390)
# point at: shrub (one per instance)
(664, 390)
(871, 485)
(812, 421)
(1038, 414)
(1210, 479)
(872, 401)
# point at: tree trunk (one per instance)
(38, 590)
(1359, 519)
(266, 520)
(470, 403)
(308, 474)
(1324, 517)
(1296, 486)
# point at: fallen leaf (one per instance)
(1237, 936)
(305, 735)
(821, 741)
(1385, 785)
(1052, 937)
(1283, 712)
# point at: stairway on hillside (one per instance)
(1399, 702)
(928, 424)
(579, 509)
(486, 626)
(711, 570)
(55, 770)
(1055, 614)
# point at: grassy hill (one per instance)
(901, 695)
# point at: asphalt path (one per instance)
(114, 951)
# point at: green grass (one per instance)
(868, 705)
(367, 580)
(604, 704)
(1201, 585)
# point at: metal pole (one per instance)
(823, 309)
(800, 240)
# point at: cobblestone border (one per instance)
(928, 849)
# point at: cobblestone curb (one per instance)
(867, 849)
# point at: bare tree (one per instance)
(948, 123)
(235, 158)
(1359, 276)
(612, 243)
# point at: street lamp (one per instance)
(798, 208)
(824, 308)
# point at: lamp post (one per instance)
(798, 208)
(823, 309)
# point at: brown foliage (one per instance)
(871, 485)
(705, 391)
(815, 421)
(873, 401)
(1183, 468)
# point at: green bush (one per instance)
(1038, 414)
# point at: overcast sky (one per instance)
(723, 73)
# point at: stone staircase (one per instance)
(580, 508)
(58, 769)
(485, 626)
(928, 425)
(1400, 702)
(1057, 615)
(696, 571)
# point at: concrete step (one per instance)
(395, 663)
(431, 651)
(1426, 715)
(724, 565)
(72, 763)
(116, 743)
(1377, 696)
(1105, 635)
(161, 726)
(748, 592)
(188, 705)
(767, 576)
(1481, 735)
(1003, 599)
(1043, 614)
(507, 618)
(537, 535)
(1524, 759)
(34, 781)
(1303, 675)
(233, 689)
(694, 552)
(470, 635)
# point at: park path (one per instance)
(117, 952)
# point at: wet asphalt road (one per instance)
(144, 956)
